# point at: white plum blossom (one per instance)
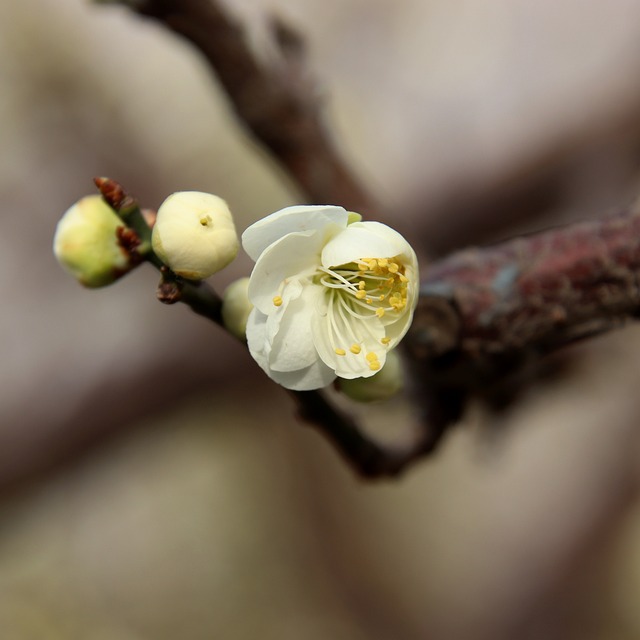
(331, 297)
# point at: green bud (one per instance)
(194, 234)
(86, 245)
(236, 307)
(383, 385)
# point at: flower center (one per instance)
(372, 286)
(357, 292)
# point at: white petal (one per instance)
(293, 347)
(289, 258)
(338, 330)
(291, 291)
(316, 376)
(262, 233)
(259, 346)
(362, 240)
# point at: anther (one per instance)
(355, 349)
(277, 301)
(340, 352)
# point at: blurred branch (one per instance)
(534, 293)
(486, 317)
(278, 104)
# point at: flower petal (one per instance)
(262, 233)
(293, 347)
(294, 256)
(364, 240)
(256, 332)
(315, 376)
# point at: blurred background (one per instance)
(153, 483)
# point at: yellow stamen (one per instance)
(361, 294)
(340, 352)
(393, 267)
(371, 357)
(379, 312)
(385, 340)
(277, 301)
(383, 262)
(361, 284)
(355, 348)
(375, 365)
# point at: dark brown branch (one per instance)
(366, 457)
(483, 308)
(279, 105)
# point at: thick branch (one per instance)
(532, 295)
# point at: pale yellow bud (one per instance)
(194, 234)
(86, 245)
(236, 307)
(383, 385)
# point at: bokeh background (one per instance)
(153, 483)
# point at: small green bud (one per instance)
(194, 234)
(383, 385)
(236, 307)
(86, 245)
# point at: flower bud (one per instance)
(236, 307)
(194, 234)
(383, 385)
(85, 243)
